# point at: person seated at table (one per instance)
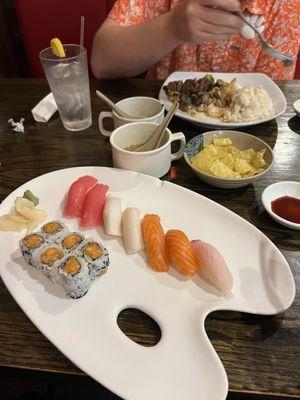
(193, 35)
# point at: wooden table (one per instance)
(260, 354)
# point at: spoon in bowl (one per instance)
(155, 139)
(115, 108)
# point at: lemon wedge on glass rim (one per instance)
(57, 48)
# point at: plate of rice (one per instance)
(223, 100)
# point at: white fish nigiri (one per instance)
(112, 216)
(132, 231)
(212, 266)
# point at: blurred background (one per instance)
(27, 26)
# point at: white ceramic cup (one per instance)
(148, 107)
(155, 162)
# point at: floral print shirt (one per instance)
(282, 31)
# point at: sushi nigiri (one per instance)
(132, 233)
(92, 213)
(154, 239)
(77, 194)
(112, 216)
(180, 252)
(212, 266)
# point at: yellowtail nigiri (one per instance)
(212, 266)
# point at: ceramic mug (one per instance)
(148, 107)
(155, 162)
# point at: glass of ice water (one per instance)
(68, 79)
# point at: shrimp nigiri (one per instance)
(180, 252)
(213, 268)
(154, 239)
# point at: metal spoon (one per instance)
(115, 108)
(155, 139)
(266, 47)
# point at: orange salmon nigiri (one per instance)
(154, 239)
(180, 252)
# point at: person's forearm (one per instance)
(128, 51)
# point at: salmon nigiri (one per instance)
(213, 268)
(154, 239)
(180, 252)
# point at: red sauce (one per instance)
(287, 207)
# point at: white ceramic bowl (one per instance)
(276, 190)
(240, 140)
(296, 106)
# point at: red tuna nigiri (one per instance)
(180, 252)
(77, 194)
(92, 213)
(154, 239)
(213, 268)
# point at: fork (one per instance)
(266, 47)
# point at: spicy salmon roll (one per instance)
(95, 255)
(47, 258)
(70, 241)
(30, 246)
(53, 230)
(74, 276)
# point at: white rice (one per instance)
(249, 104)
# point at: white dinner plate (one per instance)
(183, 365)
(243, 79)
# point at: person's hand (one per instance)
(256, 20)
(199, 21)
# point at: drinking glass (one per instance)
(68, 79)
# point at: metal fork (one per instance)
(266, 47)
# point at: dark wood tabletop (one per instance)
(260, 353)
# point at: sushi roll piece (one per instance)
(70, 241)
(95, 255)
(47, 258)
(54, 230)
(112, 216)
(74, 276)
(30, 246)
(132, 231)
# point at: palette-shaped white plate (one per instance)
(183, 365)
(243, 79)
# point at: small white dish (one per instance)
(243, 79)
(276, 190)
(296, 106)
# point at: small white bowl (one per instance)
(296, 106)
(240, 140)
(276, 190)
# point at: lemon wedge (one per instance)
(57, 48)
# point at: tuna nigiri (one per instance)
(112, 216)
(212, 266)
(132, 233)
(154, 239)
(180, 252)
(92, 213)
(77, 194)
